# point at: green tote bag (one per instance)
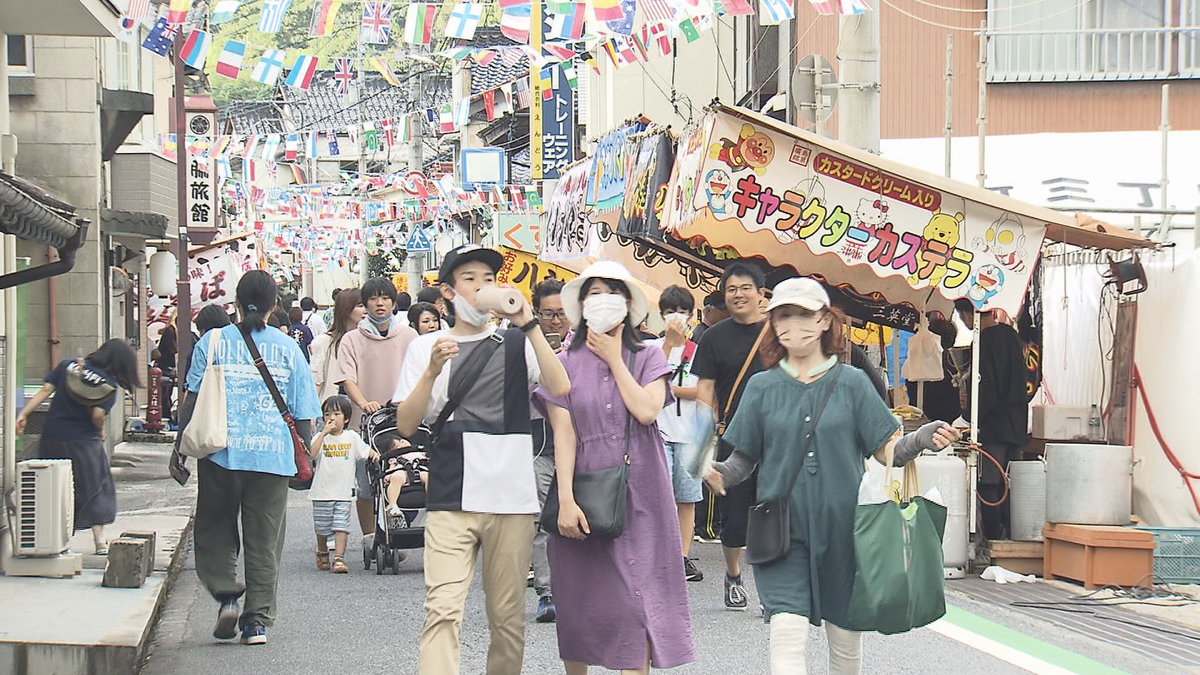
(898, 577)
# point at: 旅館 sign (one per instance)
(741, 181)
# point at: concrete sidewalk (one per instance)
(70, 626)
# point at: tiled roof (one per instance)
(31, 213)
(495, 73)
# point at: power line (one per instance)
(936, 24)
(978, 11)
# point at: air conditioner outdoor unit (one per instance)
(45, 507)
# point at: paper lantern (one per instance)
(162, 273)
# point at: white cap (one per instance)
(639, 308)
(801, 292)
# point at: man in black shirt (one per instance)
(726, 350)
(1003, 410)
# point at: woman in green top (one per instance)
(770, 428)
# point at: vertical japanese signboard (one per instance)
(201, 195)
(552, 123)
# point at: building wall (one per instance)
(144, 181)
(912, 69)
(58, 132)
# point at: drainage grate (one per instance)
(1149, 636)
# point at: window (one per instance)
(20, 55)
(1065, 40)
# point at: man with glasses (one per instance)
(548, 307)
(724, 362)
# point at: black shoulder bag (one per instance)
(601, 495)
(768, 531)
(462, 381)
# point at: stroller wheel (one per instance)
(397, 556)
(380, 560)
(367, 555)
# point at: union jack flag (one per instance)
(376, 25)
(343, 75)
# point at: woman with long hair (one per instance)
(809, 414)
(84, 391)
(620, 603)
(348, 310)
(248, 480)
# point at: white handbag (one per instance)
(207, 430)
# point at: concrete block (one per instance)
(49, 94)
(151, 539)
(36, 159)
(128, 560)
(81, 96)
(69, 127)
(68, 62)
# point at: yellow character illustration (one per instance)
(941, 235)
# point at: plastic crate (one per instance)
(1176, 554)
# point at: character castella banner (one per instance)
(792, 198)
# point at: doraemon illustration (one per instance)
(718, 185)
(1005, 239)
(870, 214)
(988, 281)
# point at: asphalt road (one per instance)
(364, 623)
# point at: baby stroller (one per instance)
(403, 527)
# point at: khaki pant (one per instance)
(453, 540)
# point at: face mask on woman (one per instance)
(604, 311)
(798, 333)
(465, 311)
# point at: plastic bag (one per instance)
(924, 363)
(700, 448)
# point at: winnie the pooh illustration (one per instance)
(751, 150)
(944, 228)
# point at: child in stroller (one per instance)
(398, 480)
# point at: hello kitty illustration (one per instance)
(870, 214)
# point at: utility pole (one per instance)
(183, 287)
(416, 162)
(858, 44)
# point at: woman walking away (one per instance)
(621, 603)
(348, 310)
(84, 391)
(248, 480)
(807, 408)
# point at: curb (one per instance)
(172, 573)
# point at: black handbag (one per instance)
(601, 495)
(768, 530)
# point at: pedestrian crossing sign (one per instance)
(418, 241)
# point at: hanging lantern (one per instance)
(163, 271)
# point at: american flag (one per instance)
(511, 56)
(376, 25)
(138, 9)
(343, 75)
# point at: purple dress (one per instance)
(615, 596)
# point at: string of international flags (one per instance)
(612, 21)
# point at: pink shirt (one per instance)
(373, 362)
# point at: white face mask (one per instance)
(680, 318)
(604, 311)
(466, 312)
(798, 334)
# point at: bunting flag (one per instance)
(524, 95)
(688, 28)
(406, 128)
(505, 4)
(445, 119)
(559, 52)
(343, 75)
(660, 11)
(271, 18)
(224, 11)
(489, 104)
(640, 43)
(823, 7)
(485, 57)
(270, 147)
(385, 70)
(737, 7)
(389, 135)
(567, 25)
(331, 139)
(464, 113)
(515, 23)
(269, 66)
(569, 71)
(853, 6)
(229, 62)
(772, 12)
(195, 49)
(463, 21)
(160, 38)
(178, 13)
(311, 149)
(250, 146)
(291, 147)
(418, 27)
(370, 136)
(608, 10)
(511, 57)
(376, 26)
(590, 59)
(138, 10)
(549, 82)
(624, 24)
(323, 16)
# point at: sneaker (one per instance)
(706, 540)
(735, 593)
(254, 634)
(227, 619)
(690, 571)
(545, 609)
(529, 578)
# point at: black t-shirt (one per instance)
(303, 337)
(69, 420)
(722, 353)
